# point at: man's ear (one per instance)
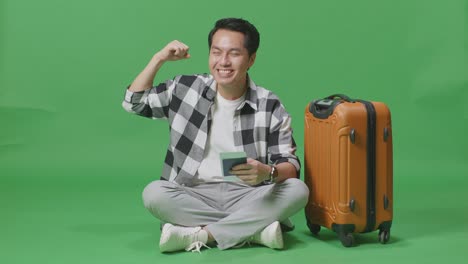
(252, 59)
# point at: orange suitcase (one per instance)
(349, 167)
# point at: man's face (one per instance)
(229, 60)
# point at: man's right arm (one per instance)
(143, 99)
(173, 51)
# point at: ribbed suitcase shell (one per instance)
(336, 168)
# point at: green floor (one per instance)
(96, 216)
(73, 163)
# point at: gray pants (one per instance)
(230, 211)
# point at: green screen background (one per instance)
(73, 163)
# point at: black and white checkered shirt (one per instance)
(262, 127)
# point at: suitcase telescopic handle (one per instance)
(341, 96)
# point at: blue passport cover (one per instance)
(231, 159)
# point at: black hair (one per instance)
(252, 37)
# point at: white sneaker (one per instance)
(271, 236)
(174, 238)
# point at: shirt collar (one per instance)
(210, 89)
(250, 96)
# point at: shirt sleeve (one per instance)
(151, 103)
(281, 144)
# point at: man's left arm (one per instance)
(281, 144)
(281, 152)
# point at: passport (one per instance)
(231, 159)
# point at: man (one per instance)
(208, 115)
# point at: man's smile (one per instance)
(225, 72)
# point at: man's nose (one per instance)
(225, 60)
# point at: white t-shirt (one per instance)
(220, 138)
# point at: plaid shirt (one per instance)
(262, 127)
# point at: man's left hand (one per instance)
(253, 172)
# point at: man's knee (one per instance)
(154, 194)
(298, 191)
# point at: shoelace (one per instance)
(248, 241)
(196, 246)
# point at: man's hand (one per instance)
(173, 51)
(253, 172)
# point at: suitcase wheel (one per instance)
(384, 236)
(315, 229)
(347, 239)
